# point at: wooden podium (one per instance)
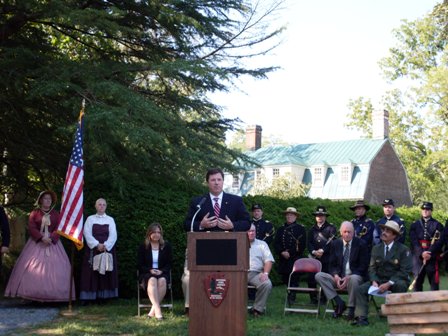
(218, 264)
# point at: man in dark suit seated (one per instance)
(216, 211)
(349, 262)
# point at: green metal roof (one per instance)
(361, 151)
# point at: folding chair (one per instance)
(251, 292)
(304, 266)
(143, 300)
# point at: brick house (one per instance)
(368, 169)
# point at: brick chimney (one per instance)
(253, 137)
(380, 124)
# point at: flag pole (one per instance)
(77, 242)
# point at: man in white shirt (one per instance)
(260, 264)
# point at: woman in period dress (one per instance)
(154, 264)
(100, 235)
(42, 271)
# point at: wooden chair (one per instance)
(143, 300)
(303, 266)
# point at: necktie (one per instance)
(345, 258)
(387, 251)
(216, 206)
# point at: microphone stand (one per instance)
(194, 216)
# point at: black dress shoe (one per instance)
(360, 321)
(340, 308)
(255, 313)
(351, 314)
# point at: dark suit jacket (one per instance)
(145, 261)
(359, 257)
(5, 234)
(231, 206)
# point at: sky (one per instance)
(329, 55)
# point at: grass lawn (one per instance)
(120, 318)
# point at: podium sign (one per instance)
(218, 264)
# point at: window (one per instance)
(275, 172)
(236, 181)
(318, 176)
(345, 174)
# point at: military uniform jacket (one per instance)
(265, 230)
(320, 238)
(383, 220)
(364, 229)
(419, 231)
(397, 266)
(291, 238)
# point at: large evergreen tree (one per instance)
(145, 69)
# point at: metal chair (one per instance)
(303, 266)
(251, 292)
(143, 300)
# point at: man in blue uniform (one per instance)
(289, 244)
(264, 228)
(320, 237)
(389, 214)
(364, 226)
(426, 235)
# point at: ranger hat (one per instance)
(320, 210)
(388, 201)
(360, 204)
(391, 225)
(427, 205)
(257, 206)
(291, 210)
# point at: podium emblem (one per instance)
(216, 286)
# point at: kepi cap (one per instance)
(388, 201)
(257, 206)
(427, 205)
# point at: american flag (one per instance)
(71, 217)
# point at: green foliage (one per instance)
(145, 70)
(285, 186)
(418, 113)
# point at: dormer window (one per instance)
(319, 175)
(345, 174)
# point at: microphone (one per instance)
(199, 205)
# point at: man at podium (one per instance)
(214, 211)
(218, 211)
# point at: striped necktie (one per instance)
(345, 258)
(216, 207)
